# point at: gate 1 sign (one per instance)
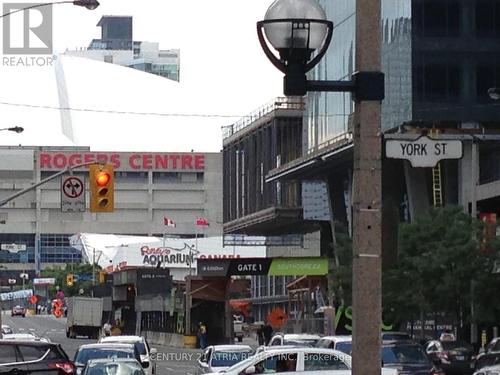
(423, 152)
(263, 266)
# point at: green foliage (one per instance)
(60, 273)
(439, 258)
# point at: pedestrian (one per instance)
(268, 333)
(106, 329)
(260, 335)
(202, 335)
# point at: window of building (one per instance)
(488, 18)
(108, 59)
(131, 177)
(264, 281)
(166, 177)
(437, 83)
(278, 285)
(436, 18)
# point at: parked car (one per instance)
(493, 346)
(220, 357)
(24, 337)
(34, 357)
(409, 358)
(18, 311)
(104, 350)
(6, 330)
(306, 360)
(146, 352)
(121, 366)
(341, 343)
(295, 339)
(393, 336)
(490, 370)
(455, 357)
(487, 359)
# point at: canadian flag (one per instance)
(168, 222)
(202, 221)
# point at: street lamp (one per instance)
(15, 129)
(89, 4)
(297, 29)
(299, 32)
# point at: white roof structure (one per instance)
(115, 252)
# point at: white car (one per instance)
(296, 339)
(341, 343)
(24, 337)
(113, 350)
(147, 353)
(307, 361)
(6, 330)
(218, 358)
(489, 370)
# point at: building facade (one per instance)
(148, 188)
(439, 59)
(117, 46)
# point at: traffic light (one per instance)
(102, 188)
(70, 279)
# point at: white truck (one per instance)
(84, 317)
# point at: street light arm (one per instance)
(34, 186)
(35, 6)
(89, 4)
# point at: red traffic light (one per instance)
(102, 178)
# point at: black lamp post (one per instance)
(297, 29)
(89, 4)
(299, 32)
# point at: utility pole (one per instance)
(367, 201)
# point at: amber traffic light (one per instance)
(70, 279)
(102, 188)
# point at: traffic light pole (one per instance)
(44, 181)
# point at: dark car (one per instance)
(34, 357)
(455, 357)
(18, 311)
(409, 358)
(395, 336)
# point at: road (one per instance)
(170, 361)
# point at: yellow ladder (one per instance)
(437, 191)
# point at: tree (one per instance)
(60, 273)
(439, 258)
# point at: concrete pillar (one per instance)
(138, 321)
(417, 190)
(468, 175)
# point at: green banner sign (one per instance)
(307, 266)
(298, 266)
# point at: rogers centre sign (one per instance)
(124, 161)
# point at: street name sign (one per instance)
(423, 152)
(73, 194)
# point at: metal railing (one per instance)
(278, 103)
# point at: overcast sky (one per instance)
(224, 75)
